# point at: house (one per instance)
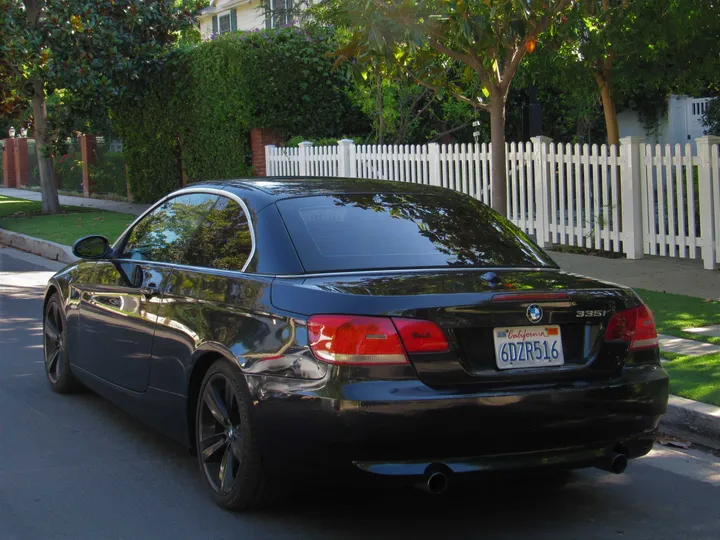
(682, 123)
(227, 15)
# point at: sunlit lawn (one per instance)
(25, 217)
(695, 377)
(673, 312)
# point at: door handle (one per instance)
(150, 290)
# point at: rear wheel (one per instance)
(57, 360)
(227, 449)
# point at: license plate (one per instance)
(528, 347)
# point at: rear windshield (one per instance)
(387, 231)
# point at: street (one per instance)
(78, 467)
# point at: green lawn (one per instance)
(695, 377)
(673, 312)
(25, 217)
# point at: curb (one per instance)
(694, 421)
(44, 248)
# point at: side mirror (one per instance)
(91, 247)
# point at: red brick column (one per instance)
(87, 153)
(8, 163)
(259, 138)
(22, 167)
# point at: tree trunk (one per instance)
(379, 102)
(50, 201)
(499, 159)
(611, 121)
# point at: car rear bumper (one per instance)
(401, 427)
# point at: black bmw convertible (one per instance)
(282, 326)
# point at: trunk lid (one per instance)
(464, 303)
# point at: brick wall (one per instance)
(259, 138)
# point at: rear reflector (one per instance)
(421, 336)
(529, 297)
(635, 326)
(355, 340)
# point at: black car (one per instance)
(295, 325)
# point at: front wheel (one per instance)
(227, 449)
(57, 360)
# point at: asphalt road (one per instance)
(77, 467)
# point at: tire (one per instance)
(57, 359)
(226, 439)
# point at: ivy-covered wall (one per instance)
(200, 108)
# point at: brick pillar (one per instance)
(8, 162)
(259, 138)
(22, 167)
(87, 153)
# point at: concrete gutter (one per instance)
(44, 248)
(693, 421)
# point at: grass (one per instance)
(22, 216)
(673, 312)
(695, 377)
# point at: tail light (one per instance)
(360, 340)
(421, 336)
(634, 326)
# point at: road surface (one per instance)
(77, 467)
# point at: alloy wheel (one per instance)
(220, 439)
(54, 334)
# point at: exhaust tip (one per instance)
(615, 463)
(437, 483)
(619, 463)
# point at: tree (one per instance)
(640, 51)
(470, 49)
(98, 52)
(711, 117)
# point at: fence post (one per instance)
(707, 191)
(303, 165)
(434, 162)
(344, 164)
(631, 197)
(541, 167)
(269, 162)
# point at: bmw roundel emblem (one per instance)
(534, 313)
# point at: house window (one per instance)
(278, 13)
(224, 21)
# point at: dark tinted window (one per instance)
(374, 231)
(163, 234)
(223, 240)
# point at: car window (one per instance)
(404, 230)
(223, 240)
(163, 234)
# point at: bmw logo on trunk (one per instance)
(534, 313)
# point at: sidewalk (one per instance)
(664, 274)
(102, 204)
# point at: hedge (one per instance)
(200, 108)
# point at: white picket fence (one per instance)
(636, 199)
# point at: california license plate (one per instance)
(528, 347)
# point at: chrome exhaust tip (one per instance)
(615, 463)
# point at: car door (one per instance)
(202, 302)
(122, 302)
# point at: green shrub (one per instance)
(201, 107)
